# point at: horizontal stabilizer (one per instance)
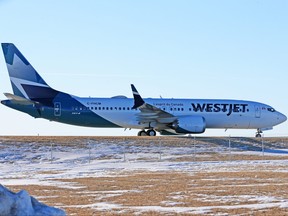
(18, 99)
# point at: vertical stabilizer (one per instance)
(25, 80)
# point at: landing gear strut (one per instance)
(258, 133)
(149, 132)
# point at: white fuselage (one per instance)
(217, 113)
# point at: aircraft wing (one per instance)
(150, 113)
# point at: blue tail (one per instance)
(25, 80)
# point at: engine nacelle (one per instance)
(190, 124)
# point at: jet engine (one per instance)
(189, 124)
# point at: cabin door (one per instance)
(257, 111)
(57, 109)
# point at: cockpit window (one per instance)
(271, 109)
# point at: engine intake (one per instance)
(190, 124)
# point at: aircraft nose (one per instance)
(281, 118)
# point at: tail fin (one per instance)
(25, 80)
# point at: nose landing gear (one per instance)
(258, 133)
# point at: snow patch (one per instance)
(23, 204)
(46, 163)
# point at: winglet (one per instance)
(138, 101)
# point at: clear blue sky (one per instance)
(180, 49)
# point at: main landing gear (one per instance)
(149, 132)
(258, 133)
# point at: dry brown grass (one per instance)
(216, 142)
(158, 189)
(129, 191)
(175, 141)
(227, 157)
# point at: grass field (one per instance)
(150, 176)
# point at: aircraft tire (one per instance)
(142, 133)
(151, 133)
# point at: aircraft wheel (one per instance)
(142, 133)
(151, 133)
(258, 133)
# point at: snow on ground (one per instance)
(30, 163)
(23, 204)
(186, 210)
(44, 164)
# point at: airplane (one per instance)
(32, 95)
